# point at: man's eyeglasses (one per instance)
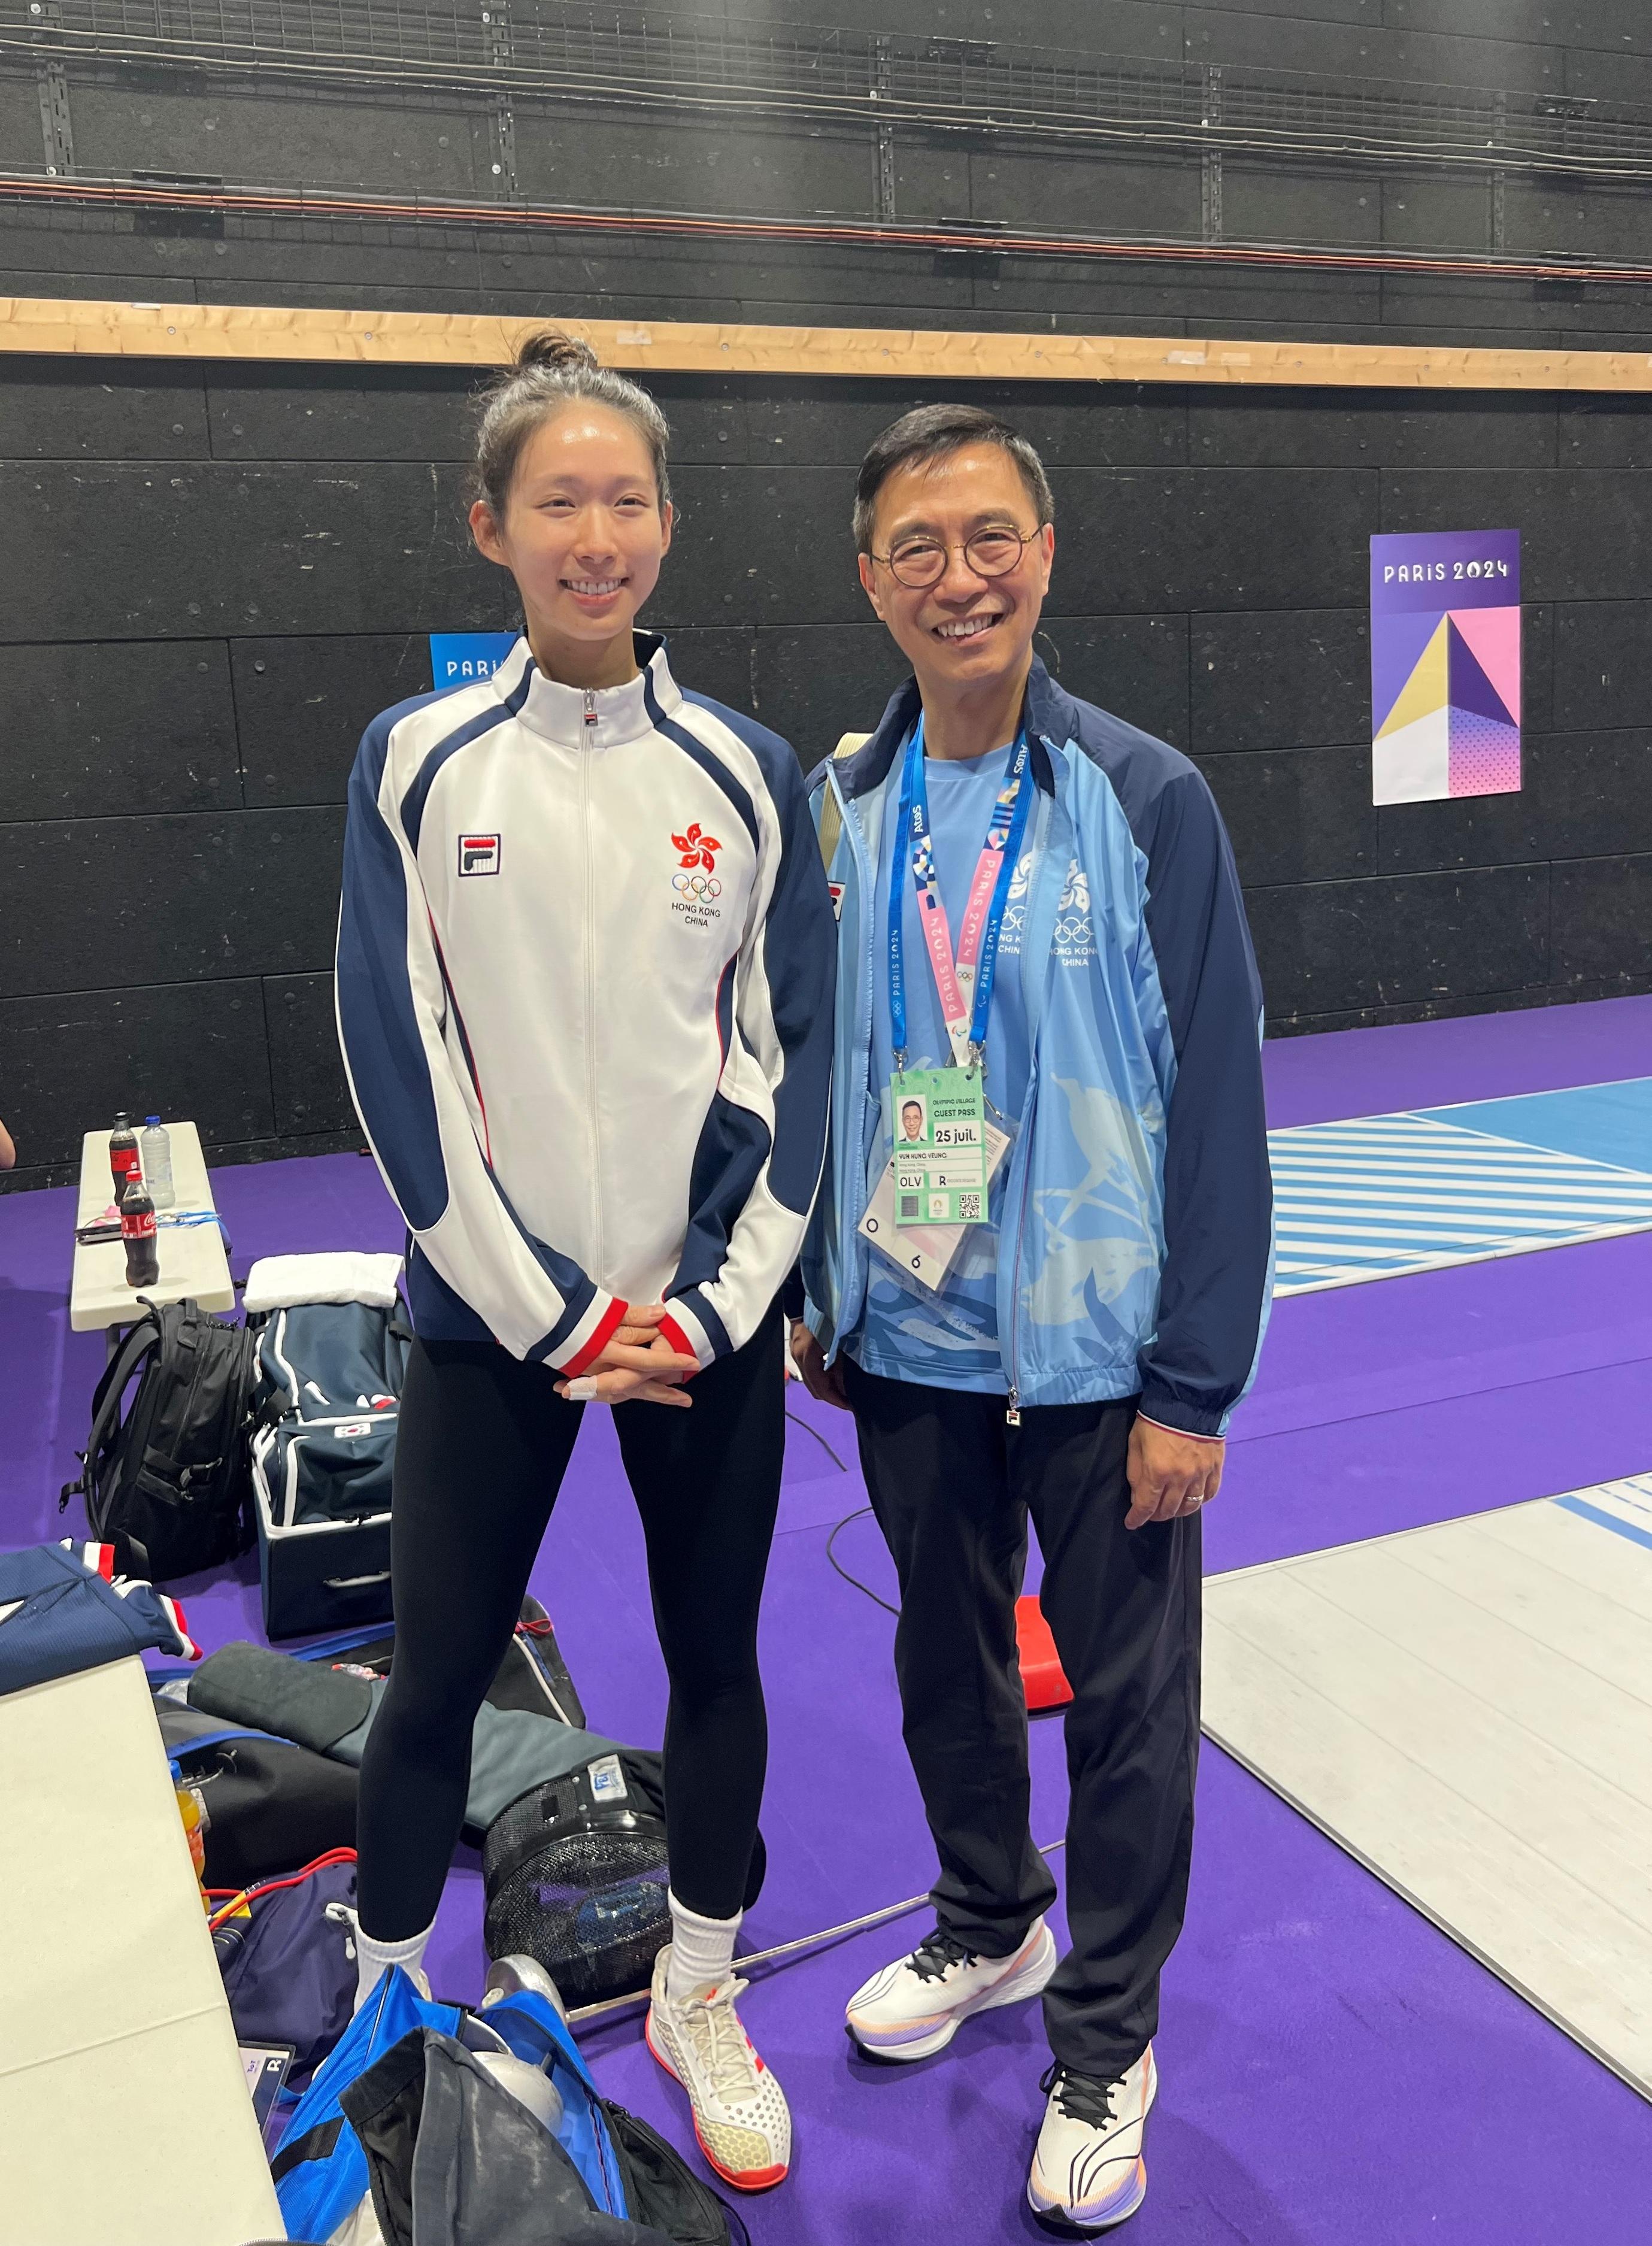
(990, 553)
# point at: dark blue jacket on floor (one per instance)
(63, 1609)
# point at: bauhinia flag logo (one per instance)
(697, 849)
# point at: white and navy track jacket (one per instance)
(585, 957)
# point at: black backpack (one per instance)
(167, 1485)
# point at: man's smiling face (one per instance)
(967, 628)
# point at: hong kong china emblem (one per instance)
(695, 882)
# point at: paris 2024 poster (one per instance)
(1446, 665)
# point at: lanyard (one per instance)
(964, 984)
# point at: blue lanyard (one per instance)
(1005, 831)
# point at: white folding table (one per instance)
(192, 1258)
(124, 2107)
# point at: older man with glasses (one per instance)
(1047, 1298)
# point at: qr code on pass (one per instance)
(969, 1207)
(909, 1205)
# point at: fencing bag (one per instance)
(287, 1952)
(271, 1802)
(662, 2189)
(329, 1382)
(331, 1708)
(320, 2171)
(166, 1485)
(266, 1803)
(532, 1673)
(575, 1875)
(454, 2159)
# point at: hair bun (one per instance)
(550, 348)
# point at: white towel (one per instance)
(276, 1283)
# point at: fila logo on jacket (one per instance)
(586, 958)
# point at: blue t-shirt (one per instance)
(907, 1332)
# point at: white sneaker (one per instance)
(741, 2118)
(1088, 2172)
(915, 2006)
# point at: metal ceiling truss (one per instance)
(883, 83)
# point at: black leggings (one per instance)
(483, 1443)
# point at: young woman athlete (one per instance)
(585, 970)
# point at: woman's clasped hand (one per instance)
(637, 1364)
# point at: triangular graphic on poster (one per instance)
(1493, 637)
(1470, 687)
(1472, 729)
(1396, 642)
(1426, 690)
(1484, 754)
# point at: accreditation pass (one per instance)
(939, 1145)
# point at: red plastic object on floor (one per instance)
(1042, 1678)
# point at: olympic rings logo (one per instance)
(1070, 932)
(701, 887)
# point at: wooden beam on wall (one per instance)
(103, 329)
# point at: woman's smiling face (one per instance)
(583, 532)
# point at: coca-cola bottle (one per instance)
(124, 1164)
(137, 1233)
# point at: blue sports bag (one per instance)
(321, 2170)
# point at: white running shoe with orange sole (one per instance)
(917, 2005)
(741, 2120)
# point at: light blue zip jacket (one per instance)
(1135, 1247)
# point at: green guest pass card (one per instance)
(939, 1122)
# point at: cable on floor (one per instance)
(859, 1511)
(819, 1438)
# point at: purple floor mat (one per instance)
(1448, 1393)
(1472, 1327)
(1433, 1064)
(1333, 2067)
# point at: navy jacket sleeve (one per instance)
(1218, 1191)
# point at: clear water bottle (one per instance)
(154, 1149)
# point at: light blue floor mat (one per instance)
(1383, 1194)
(1604, 1122)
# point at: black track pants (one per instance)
(482, 1445)
(952, 1485)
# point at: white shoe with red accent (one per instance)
(1088, 2173)
(741, 2118)
(915, 2007)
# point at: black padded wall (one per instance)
(213, 576)
(213, 580)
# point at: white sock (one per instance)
(372, 1957)
(702, 1950)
